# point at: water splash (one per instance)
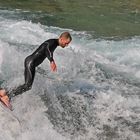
(94, 94)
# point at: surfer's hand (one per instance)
(53, 66)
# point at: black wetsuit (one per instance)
(46, 49)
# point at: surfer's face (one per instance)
(63, 42)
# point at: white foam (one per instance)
(87, 66)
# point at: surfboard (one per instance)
(9, 106)
(3, 95)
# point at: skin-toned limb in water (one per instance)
(53, 66)
(5, 99)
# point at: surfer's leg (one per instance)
(29, 74)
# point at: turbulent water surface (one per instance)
(102, 18)
(94, 95)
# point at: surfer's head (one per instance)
(64, 39)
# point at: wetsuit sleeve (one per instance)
(49, 54)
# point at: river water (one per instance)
(95, 94)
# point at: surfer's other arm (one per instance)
(53, 66)
(49, 54)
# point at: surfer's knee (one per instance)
(28, 86)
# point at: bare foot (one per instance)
(2, 92)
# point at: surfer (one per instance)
(46, 49)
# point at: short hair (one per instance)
(66, 35)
